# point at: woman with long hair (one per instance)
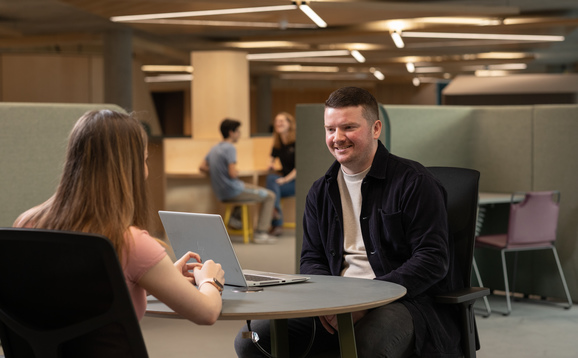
(282, 184)
(103, 191)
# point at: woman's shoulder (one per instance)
(142, 237)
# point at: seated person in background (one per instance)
(221, 165)
(374, 216)
(103, 191)
(284, 149)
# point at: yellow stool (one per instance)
(288, 201)
(247, 226)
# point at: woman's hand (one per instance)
(210, 269)
(186, 267)
(281, 180)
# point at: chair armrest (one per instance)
(463, 295)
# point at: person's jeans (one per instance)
(267, 199)
(281, 191)
(386, 331)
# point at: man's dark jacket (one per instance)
(404, 227)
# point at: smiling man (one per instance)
(377, 216)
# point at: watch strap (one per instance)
(214, 282)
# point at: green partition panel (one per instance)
(33, 139)
(431, 135)
(501, 147)
(555, 136)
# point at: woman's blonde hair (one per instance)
(102, 189)
(290, 134)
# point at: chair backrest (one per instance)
(461, 186)
(534, 220)
(63, 294)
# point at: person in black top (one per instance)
(282, 184)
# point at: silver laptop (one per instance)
(206, 235)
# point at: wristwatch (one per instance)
(213, 281)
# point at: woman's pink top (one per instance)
(144, 252)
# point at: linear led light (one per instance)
(410, 67)
(396, 37)
(299, 68)
(166, 68)
(312, 15)
(358, 56)
(479, 21)
(302, 60)
(189, 22)
(473, 36)
(378, 75)
(490, 73)
(324, 76)
(502, 55)
(431, 69)
(172, 15)
(503, 66)
(169, 78)
(265, 44)
(271, 56)
(508, 66)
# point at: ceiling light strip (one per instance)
(188, 22)
(397, 40)
(474, 36)
(166, 68)
(271, 56)
(172, 15)
(380, 76)
(358, 56)
(312, 15)
(169, 78)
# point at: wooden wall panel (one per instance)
(46, 78)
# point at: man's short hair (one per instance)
(353, 97)
(229, 125)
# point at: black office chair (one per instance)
(462, 201)
(63, 294)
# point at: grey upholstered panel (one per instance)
(431, 135)
(33, 139)
(502, 147)
(556, 168)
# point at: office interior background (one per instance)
(185, 68)
(81, 51)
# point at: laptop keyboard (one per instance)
(258, 278)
